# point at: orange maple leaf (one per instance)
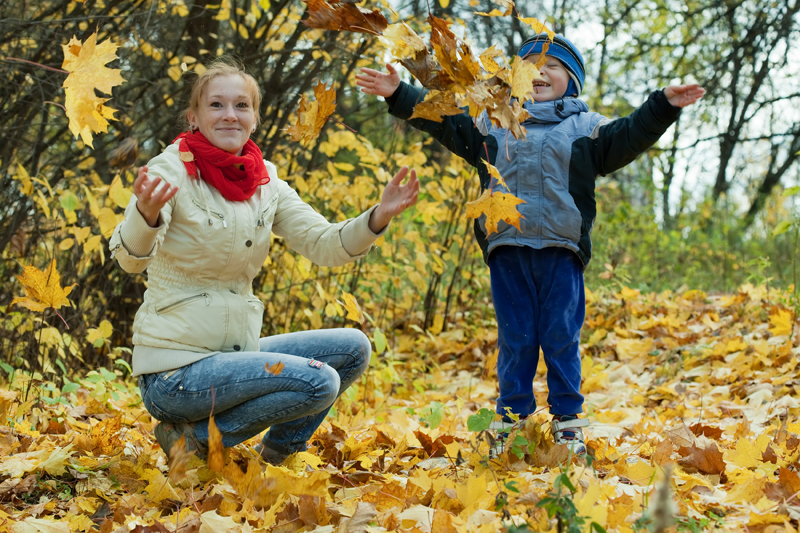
(311, 116)
(496, 206)
(216, 450)
(86, 64)
(275, 369)
(43, 289)
(344, 16)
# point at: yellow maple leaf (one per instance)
(507, 6)
(351, 305)
(405, 42)
(781, 322)
(496, 206)
(86, 64)
(43, 289)
(487, 59)
(311, 116)
(522, 75)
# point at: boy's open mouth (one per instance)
(540, 83)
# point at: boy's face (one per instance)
(553, 83)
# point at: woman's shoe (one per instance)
(273, 457)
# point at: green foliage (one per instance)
(559, 505)
(481, 420)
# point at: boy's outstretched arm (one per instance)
(456, 132)
(616, 143)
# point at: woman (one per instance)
(200, 223)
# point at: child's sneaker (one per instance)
(567, 430)
(168, 434)
(500, 430)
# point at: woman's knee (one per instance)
(326, 386)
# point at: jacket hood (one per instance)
(554, 110)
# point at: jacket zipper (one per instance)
(260, 222)
(185, 300)
(218, 215)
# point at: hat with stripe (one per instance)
(564, 51)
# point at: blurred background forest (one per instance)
(711, 207)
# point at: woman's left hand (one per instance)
(396, 199)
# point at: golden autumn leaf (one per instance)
(496, 206)
(538, 26)
(311, 116)
(455, 57)
(436, 105)
(178, 460)
(781, 322)
(105, 436)
(275, 369)
(86, 64)
(351, 305)
(344, 16)
(405, 42)
(487, 59)
(522, 75)
(43, 289)
(507, 6)
(216, 450)
(496, 175)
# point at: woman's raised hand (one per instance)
(396, 199)
(149, 197)
(375, 82)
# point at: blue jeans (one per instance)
(539, 301)
(246, 398)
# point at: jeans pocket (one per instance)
(171, 381)
(161, 415)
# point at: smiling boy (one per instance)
(537, 271)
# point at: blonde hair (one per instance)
(223, 66)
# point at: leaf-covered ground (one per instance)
(690, 396)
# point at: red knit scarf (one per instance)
(235, 177)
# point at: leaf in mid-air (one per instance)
(42, 289)
(539, 27)
(507, 6)
(351, 305)
(496, 174)
(522, 75)
(405, 42)
(436, 105)
(496, 206)
(311, 116)
(344, 16)
(86, 64)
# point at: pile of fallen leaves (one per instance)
(691, 397)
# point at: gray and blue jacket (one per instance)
(553, 169)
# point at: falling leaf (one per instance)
(179, 459)
(507, 6)
(522, 75)
(436, 105)
(344, 16)
(538, 27)
(496, 206)
(43, 289)
(311, 116)
(351, 305)
(86, 64)
(454, 56)
(125, 154)
(781, 322)
(216, 450)
(275, 369)
(487, 59)
(405, 43)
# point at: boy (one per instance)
(537, 273)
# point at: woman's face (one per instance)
(225, 113)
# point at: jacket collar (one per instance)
(553, 111)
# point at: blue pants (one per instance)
(247, 399)
(540, 302)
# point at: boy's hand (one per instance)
(396, 199)
(683, 95)
(149, 198)
(374, 82)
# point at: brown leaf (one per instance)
(436, 105)
(365, 513)
(312, 511)
(434, 448)
(708, 431)
(179, 460)
(454, 56)
(125, 154)
(787, 486)
(663, 454)
(275, 369)
(344, 16)
(706, 461)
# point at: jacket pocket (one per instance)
(267, 214)
(214, 214)
(183, 301)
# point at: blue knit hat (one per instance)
(564, 51)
